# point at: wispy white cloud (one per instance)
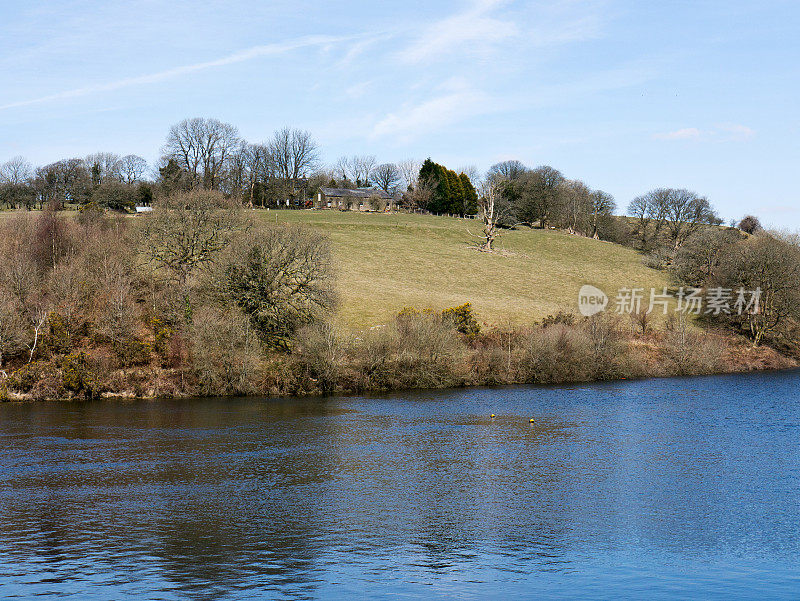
(736, 131)
(474, 26)
(237, 57)
(454, 102)
(484, 25)
(686, 133)
(721, 132)
(359, 48)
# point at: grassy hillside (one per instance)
(385, 262)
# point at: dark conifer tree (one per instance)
(470, 195)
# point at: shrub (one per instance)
(321, 351)
(561, 318)
(688, 352)
(133, 352)
(161, 336)
(280, 277)
(58, 339)
(24, 379)
(750, 224)
(463, 319)
(78, 375)
(558, 353)
(226, 351)
(429, 353)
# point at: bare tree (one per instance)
(361, 167)
(510, 170)
(132, 168)
(474, 175)
(102, 166)
(256, 168)
(536, 195)
(493, 210)
(602, 205)
(12, 330)
(420, 195)
(575, 206)
(749, 224)
(649, 209)
(293, 153)
(686, 213)
(202, 147)
(186, 231)
(15, 171)
(343, 169)
(386, 176)
(409, 171)
(680, 212)
(63, 181)
(770, 266)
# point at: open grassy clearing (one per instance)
(385, 262)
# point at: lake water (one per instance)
(683, 488)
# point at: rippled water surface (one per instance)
(654, 489)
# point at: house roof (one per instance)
(357, 193)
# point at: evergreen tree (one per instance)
(452, 192)
(470, 195)
(427, 171)
(455, 203)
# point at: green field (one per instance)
(385, 262)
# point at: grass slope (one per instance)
(385, 262)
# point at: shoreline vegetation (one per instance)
(256, 270)
(204, 298)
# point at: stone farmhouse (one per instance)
(359, 199)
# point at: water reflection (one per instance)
(417, 494)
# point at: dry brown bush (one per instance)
(226, 352)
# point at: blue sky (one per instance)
(625, 95)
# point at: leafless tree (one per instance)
(343, 170)
(386, 176)
(132, 168)
(474, 175)
(103, 166)
(649, 210)
(186, 231)
(12, 330)
(420, 195)
(749, 224)
(575, 206)
(680, 212)
(491, 210)
(361, 167)
(293, 154)
(15, 171)
(772, 266)
(202, 147)
(686, 213)
(63, 181)
(535, 194)
(510, 170)
(256, 166)
(602, 204)
(409, 171)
